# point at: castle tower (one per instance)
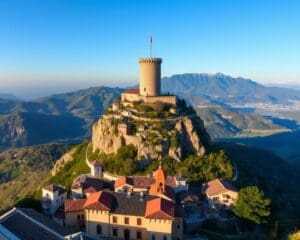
(150, 76)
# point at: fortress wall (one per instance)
(129, 97)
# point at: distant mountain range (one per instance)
(62, 117)
(69, 117)
(8, 96)
(228, 122)
(224, 90)
(285, 85)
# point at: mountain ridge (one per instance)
(224, 88)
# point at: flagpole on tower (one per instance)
(150, 46)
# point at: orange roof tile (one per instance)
(133, 91)
(99, 201)
(74, 205)
(217, 186)
(160, 208)
(122, 181)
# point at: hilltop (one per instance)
(155, 131)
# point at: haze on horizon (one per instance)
(56, 46)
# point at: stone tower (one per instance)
(150, 75)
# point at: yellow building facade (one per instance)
(120, 216)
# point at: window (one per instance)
(165, 237)
(138, 235)
(153, 237)
(139, 222)
(78, 217)
(178, 226)
(115, 219)
(82, 217)
(99, 229)
(215, 198)
(115, 232)
(226, 196)
(126, 220)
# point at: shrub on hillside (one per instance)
(214, 165)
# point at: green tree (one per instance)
(252, 205)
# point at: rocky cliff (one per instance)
(175, 136)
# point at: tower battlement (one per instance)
(150, 60)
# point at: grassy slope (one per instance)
(72, 168)
(25, 169)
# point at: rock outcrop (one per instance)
(62, 161)
(152, 138)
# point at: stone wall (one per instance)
(131, 97)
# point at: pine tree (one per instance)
(252, 205)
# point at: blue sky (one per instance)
(58, 45)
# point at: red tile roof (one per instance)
(74, 205)
(99, 201)
(133, 91)
(160, 208)
(123, 180)
(142, 181)
(217, 186)
(135, 181)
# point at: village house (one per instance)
(85, 184)
(156, 184)
(220, 192)
(53, 197)
(125, 216)
(187, 199)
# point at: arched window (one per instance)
(99, 229)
